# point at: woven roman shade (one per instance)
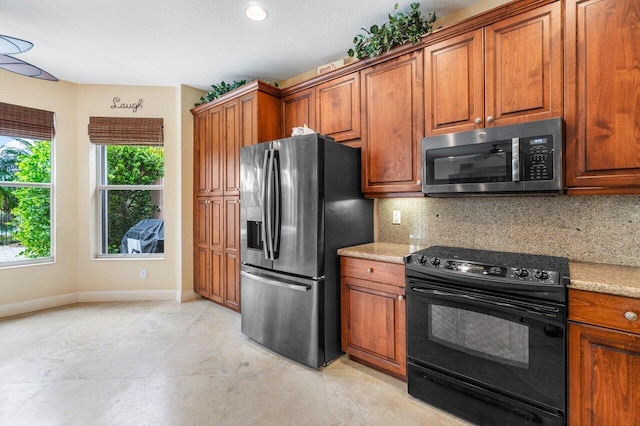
(125, 131)
(24, 122)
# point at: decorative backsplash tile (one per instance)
(602, 229)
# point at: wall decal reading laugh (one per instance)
(133, 107)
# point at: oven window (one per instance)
(481, 335)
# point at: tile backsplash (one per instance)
(602, 229)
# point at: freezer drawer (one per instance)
(283, 313)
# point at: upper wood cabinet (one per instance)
(392, 125)
(505, 73)
(338, 108)
(231, 147)
(331, 108)
(207, 152)
(298, 109)
(603, 96)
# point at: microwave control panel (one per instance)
(537, 153)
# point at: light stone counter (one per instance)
(598, 277)
(383, 252)
(603, 278)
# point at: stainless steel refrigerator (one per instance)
(300, 201)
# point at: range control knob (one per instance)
(541, 275)
(521, 272)
(422, 259)
(435, 261)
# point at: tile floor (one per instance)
(165, 363)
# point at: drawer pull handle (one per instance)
(631, 316)
(369, 270)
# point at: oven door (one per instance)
(503, 344)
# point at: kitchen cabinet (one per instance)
(244, 117)
(504, 73)
(373, 314)
(392, 99)
(603, 96)
(604, 359)
(331, 108)
(338, 108)
(299, 109)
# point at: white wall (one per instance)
(77, 273)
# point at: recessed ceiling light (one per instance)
(255, 12)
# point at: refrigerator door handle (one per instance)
(277, 204)
(265, 208)
(297, 287)
(270, 201)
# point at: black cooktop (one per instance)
(540, 276)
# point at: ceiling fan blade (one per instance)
(21, 67)
(13, 45)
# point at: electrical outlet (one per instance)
(143, 274)
(396, 217)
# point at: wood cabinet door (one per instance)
(603, 94)
(232, 253)
(231, 148)
(216, 249)
(299, 109)
(373, 323)
(604, 376)
(392, 124)
(207, 152)
(202, 238)
(454, 84)
(338, 107)
(524, 66)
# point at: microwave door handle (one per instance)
(515, 159)
(265, 207)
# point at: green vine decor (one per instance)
(402, 28)
(219, 90)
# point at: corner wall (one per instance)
(76, 274)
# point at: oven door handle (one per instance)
(530, 308)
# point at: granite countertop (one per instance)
(383, 252)
(598, 277)
(603, 278)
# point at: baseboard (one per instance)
(37, 304)
(187, 296)
(127, 295)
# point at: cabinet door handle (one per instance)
(631, 316)
(418, 182)
(478, 120)
(369, 270)
(401, 298)
(490, 119)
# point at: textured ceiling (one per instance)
(193, 42)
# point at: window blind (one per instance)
(24, 122)
(125, 131)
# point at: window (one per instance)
(130, 199)
(26, 188)
(129, 188)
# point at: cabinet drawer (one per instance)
(605, 310)
(382, 272)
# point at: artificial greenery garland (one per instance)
(402, 28)
(219, 90)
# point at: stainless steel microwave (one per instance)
(518, 158)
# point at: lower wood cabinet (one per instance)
(604, 359)
(373, 314)
(217, 250)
